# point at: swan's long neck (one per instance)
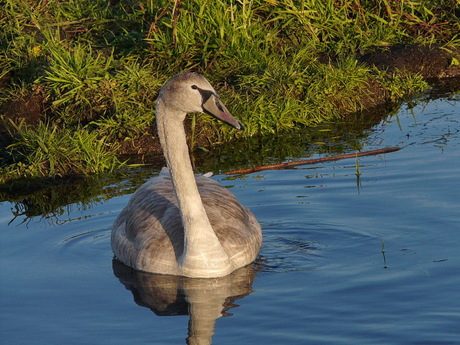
(202, 249)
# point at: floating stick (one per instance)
(286, 165)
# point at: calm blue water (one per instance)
(322, 277)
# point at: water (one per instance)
(346, 259)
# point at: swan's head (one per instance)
(189, 92)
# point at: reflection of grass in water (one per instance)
(56, 199)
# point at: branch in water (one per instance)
(312, 161)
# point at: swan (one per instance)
(178, 223)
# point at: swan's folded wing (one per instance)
(236, 227)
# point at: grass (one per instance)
(49, 150)
(95, 67)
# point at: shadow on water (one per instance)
(53, 200)
(204, 300)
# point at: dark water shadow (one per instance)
(204, 300)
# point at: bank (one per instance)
(80, 78)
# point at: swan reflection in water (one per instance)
(203, 299)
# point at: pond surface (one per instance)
(362, 251)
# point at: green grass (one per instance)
(48, 150)
(97, 66)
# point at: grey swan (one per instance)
(179, 223)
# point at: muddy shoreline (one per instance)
(437, 65)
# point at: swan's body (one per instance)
(179, 223)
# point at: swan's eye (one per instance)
(194, 87)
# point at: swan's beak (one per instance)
(214, 107)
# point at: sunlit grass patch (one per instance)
(51, 151)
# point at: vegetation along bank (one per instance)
(78, 78)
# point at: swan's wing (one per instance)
(236, 227)
(149, 229)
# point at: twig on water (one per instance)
(383, 253)
(286, 165)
